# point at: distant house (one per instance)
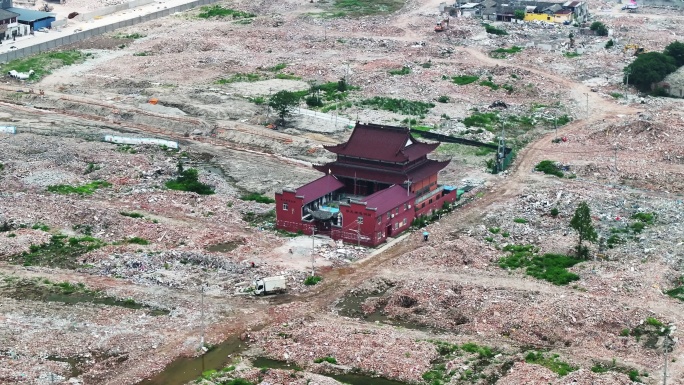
(34, 19)
(580, 11)
(674, 83)
(471, 9)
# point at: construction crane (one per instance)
(638, 50)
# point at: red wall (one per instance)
(425, 208)
(290, 219)
(374, 227)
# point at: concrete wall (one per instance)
(127, 140)
(76, 37)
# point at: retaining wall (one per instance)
(80, 36)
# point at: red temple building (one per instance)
(381, 181)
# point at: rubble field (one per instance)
(107, 276)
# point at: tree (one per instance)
(519, 14)
(600, 28)
(284, 102)
(649, 68)
(581, 222)
(676, 51)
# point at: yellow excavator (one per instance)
(638, 50)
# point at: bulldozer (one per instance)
(638, 50)
(442, 25)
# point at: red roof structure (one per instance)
(383, 143)
(318, 188)
(384, 200)
(397, 176)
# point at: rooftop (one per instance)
(387, 199)
(383, 143)
(316, 189)
(29, 15)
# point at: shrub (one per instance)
(520, 220)
(188, 180)
(403, 106)
(403, 71)
(131, 215)
(599, 28)
(494, 230)
(329, 359)
(219, 11)
(494, 30)
(464, 79)
(138, 241)
(624, 332)
(552, 363)
(610, 43)
(312, 280)
(86, 189)
(549, 267)
(554, 212)
(256, 197)
(647, 218)
(443, 99)
(549, 167)
(617, 95)
(313, 101)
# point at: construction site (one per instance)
(111, 273)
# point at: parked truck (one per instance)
(270, 285)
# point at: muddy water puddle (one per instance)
(32, 291)
(224, 247)
(351, 306)
(348, 378)
(186, 369)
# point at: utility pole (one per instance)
(202, 319)
(313, 245)
(587, 95)
(615, 156)
(501, 151)
(358, 231)
(667, 347)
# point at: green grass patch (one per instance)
(677, 292)
(86, 189)
(138, 241)
(356, 8)
(329, 359)
(549, 167)
(502, 53)
(490, 84)
(549, 267)
(128, 36)
(403, 71)
(464, 79)
(551, 362)
(402, 106)
(40, 226)
(572, 54)
(617, 95)
(61, 251)
(487, 120)
(91, 167)
(256, 197)
(277, 67)
(494, 31)
(422, 128)
(220, 12)
(495, 230)
(484, 151)
(239, 77)
(312, 280)
(131, 215)
(647, 218)
(520, 220)
(142, 54)
(287, 77)
(43, 63)
(188, 181)
(481, 357)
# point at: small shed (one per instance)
(35, 19)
